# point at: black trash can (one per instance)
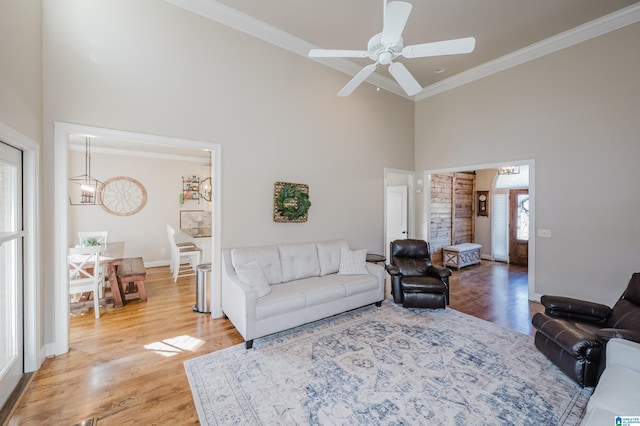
(203, 289)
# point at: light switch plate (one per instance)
(546, 233)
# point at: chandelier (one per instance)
(84, 188)
(509, 170)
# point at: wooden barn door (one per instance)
(451, 211)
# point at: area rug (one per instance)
(386, 365)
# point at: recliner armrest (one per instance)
(393, 270)
(575, 309)
(440, 271)
(576, 341)
(605, 334)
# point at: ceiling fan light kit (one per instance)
(388, 45)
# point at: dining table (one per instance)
(111, 256)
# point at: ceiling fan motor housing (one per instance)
(383, 54)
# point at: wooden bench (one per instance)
(461, 255)
(132, 273)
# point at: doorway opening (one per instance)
(63, 133)
(488, 233)
(511, 215)
(399, 202)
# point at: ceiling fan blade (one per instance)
(440, 48)
(332, 53)
(395, 18)
(404, 78)
(357, 80)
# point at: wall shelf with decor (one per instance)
(190, 186)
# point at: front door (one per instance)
(11, 325)
(519, 227)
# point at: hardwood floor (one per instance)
(126, 368)
(496, 292)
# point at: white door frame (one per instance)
(532, 206)
(60, 343)
(410, 174)
(32, 290)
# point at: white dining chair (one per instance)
(179, 252)
(85, 273)
(171, 237)
(102, 238)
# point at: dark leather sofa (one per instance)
(412, 258)
(573, 333)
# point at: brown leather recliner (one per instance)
(415, 281)
(573, 333)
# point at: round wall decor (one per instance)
(122, 196)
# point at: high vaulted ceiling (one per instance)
(507, 32)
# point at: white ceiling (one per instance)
(507, 32)
(136, 148)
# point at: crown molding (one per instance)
(230, 17)
(595, 28)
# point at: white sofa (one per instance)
(616, 394)
(302, 285)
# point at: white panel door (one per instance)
(11, 325)
(397, 219)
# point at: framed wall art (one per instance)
(290, 202)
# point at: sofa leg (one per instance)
(378, 304)
(248, 344)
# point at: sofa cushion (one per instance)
(299, 261)
(267, 257)
(353, 284)
(319, 290)
(251, 274)
(617, 391)
(329, 255)
(353, 262)
(283, 300)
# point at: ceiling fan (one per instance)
(386, 46)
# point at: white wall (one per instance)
(144, 233)
(482, 226)
(576, 113)
(147, 66)
(21, 67)
(21, 119)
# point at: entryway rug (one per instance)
(386, 365)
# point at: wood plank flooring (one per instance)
(126, 368)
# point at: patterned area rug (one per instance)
(386, 365)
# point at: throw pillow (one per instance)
(353, 262)
(251, 274)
